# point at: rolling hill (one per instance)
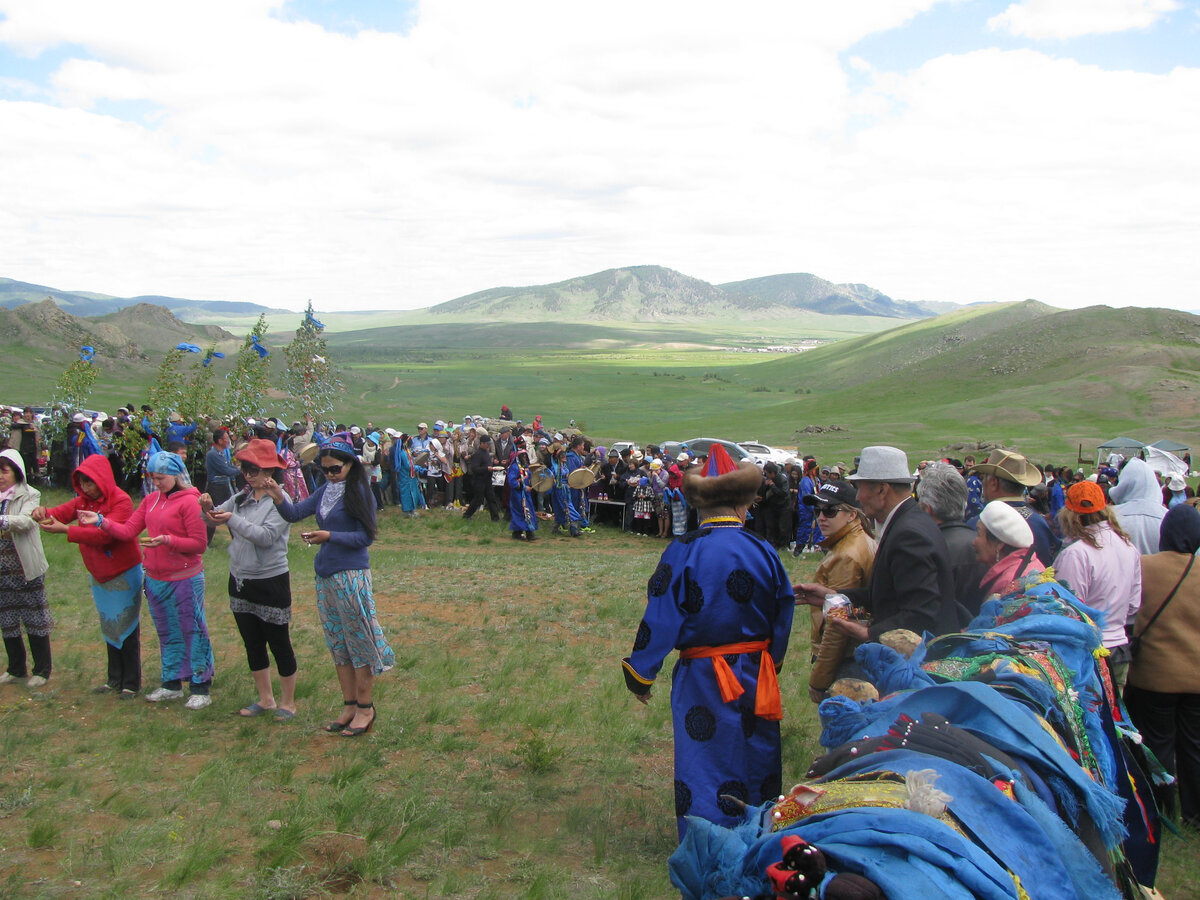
(658, 294)
(130, 334)
(808, 292)
(1017, 373)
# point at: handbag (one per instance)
(1135, 643)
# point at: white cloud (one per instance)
(528, 142)
(1057, 19)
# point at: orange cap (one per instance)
(1085, 497)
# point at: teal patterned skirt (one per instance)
(346, 604)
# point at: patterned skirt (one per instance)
(22, 603)
(119, 603)
(346, 604)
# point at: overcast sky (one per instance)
(384, 154)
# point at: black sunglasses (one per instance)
(829, 511)
(250, 469)
(333, 470)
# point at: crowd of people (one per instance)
(919, 551)
(254, 488)
(906, 554)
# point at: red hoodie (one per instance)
(105, 556)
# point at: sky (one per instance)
(393, 155)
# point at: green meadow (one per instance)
(1054, 384)
(508, 761)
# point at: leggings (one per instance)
(257, 635)
(39, 646)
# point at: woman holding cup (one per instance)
(260, 591)
(345, 511)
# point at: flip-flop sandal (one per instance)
(284, 715)
(249, 712)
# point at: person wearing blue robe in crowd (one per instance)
(579, 501)
(407, 481)
(975, 502)
(1058, 496)
(522, 521)
(807, 532)
(566, 514)
(721, 597)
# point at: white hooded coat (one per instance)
(1139, 506)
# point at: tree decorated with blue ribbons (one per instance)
(310, 377)
(199, 391)
(71, 391)
(247, 385)
(166, 394)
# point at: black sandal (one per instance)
(358, 732)
(338, 726)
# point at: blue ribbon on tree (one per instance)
(312, 320)
(87, 353)
(262, 351)
(187, 348)
(209, 357)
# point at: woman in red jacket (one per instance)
(115, 566)
(174, 576)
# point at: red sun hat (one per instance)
(262, 453)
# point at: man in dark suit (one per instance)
(912, 582)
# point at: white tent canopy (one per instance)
(1165, 463)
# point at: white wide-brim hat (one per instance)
(883, 464)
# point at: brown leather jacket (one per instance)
(848, 565)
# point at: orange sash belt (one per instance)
(767, 704)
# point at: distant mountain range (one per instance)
(88, 304)
(655, 293)
(633, 294)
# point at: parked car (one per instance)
(699, 447)
(619, 446)
(763, 453)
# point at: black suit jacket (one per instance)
(912, 581)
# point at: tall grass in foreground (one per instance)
(508, 759)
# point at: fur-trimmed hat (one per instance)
(721, 482)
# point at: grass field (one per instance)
(509, 760)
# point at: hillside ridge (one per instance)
(131, 333)
(657, 293)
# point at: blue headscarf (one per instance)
(1180, 531)
(166, 463)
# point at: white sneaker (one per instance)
(198, 701)
(162, 693)
(35, 682)
(6, 678)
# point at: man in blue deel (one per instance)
(722, 598)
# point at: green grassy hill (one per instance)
(1028, 375)
(1041, 379)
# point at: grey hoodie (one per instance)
(1139, 507)
(260, 537)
